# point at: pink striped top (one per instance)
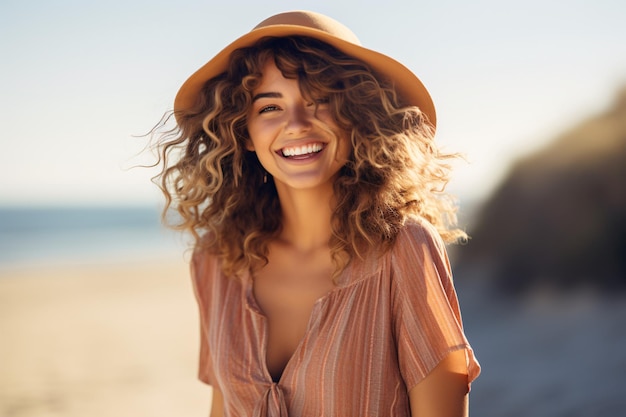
(386, 325)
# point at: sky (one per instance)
(82, 81)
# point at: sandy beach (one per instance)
(99, 340)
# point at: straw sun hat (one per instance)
(323, 28)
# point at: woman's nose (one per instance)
(300, 119)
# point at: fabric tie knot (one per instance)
(272, 404)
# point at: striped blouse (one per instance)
(386, 325)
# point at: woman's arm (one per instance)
(444, 392)
(217, 403)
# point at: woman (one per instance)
(305, 167)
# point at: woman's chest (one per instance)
(286, 298)
(310, 335)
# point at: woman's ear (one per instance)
(248, 143)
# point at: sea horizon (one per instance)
(64, 234)
(33, 235)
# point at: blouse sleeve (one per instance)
(427, 319)
(201, 275)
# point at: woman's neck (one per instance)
(306, 217)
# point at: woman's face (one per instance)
(297, 142)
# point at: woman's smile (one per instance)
(302, 151)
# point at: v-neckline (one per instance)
(254, 307)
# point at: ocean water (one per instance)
(70, 235)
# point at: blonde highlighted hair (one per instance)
(395, 171)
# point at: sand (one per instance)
(99, 340)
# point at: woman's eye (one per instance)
(266, 109)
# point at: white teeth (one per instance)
(302, 150)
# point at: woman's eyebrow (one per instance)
(266, 95)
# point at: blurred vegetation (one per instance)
(559, 217)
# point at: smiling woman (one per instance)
(307, 173)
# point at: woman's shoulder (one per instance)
(207, 268)
(205, 262)
(419, 231)
(419, 246)
(203, 249)
(415, 240)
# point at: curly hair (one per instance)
(395, 171)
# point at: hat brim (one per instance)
(406, 83)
